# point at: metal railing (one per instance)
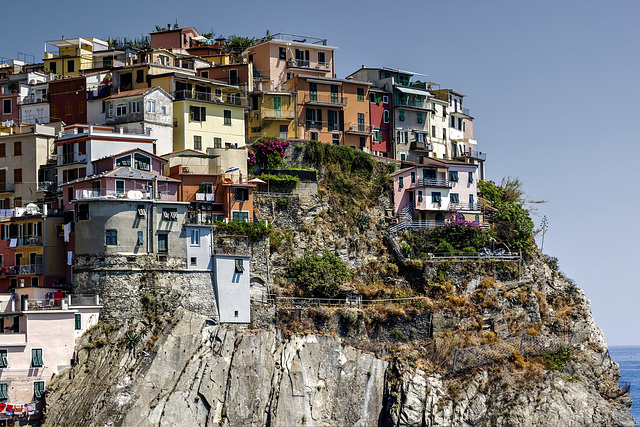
(422, 225)
(226, 98)
(478, 155)
(324, 98)
(7, 187)
(27, 240)
(112, 194)
(270, 113)
(47, 186)
(421, 145)
(434, 182)
(28, 269)
(204, 218)
(422, 104)
(464, 206)
(71, 158)
(358, 127)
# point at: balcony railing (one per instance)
(25, 241)
(7, 187)
(271, 114)
(303, 63)
(29, 269)
(433, 182)
(204, 218)
(471, 154)
(112, 194)
(33, 99)
(464, 206)
(423, 104)
(325, 98)
(232, 99)
(205, 197)
(358, 127)
(48, 186)
(71, 158)
(421, 146)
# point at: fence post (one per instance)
(455, 358)
(521, 342)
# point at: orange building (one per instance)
(333, 110)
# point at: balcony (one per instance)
(462, 111)
(204, 218)
(421, 146)
(25, 241)
(28, 269)
(464, 206)
(7, 187)
(231, 99)
(33, 99)
(71, 158)
(471, 154)
(115, 195)
(308, 65)
(271, 114)
(422, 104)
(325, 99)
(49, 186)
(434, 182)
(359, 128)
(205, 197)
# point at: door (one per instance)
(277, 106)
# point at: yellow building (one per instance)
(273, 114)
(73, 55)
(206, 113)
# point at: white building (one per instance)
(232, 288)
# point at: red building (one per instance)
(380, 117)
(68, 100)
(175, 38)
(233, 74)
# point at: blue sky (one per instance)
(552, 86)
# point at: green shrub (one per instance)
(252, 229)
(514, 226)
(557, 359)
(319, 276)
(288, 181)
(444, 247)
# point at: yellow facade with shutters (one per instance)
(272, 115)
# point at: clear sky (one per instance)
(552, 86)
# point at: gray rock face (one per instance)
(200, 375)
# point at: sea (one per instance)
(628, 357)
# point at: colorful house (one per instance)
(284, 56)
(380, 116)
(206, 114)
(334, 111)
(68, 57)
(272, 114)
(68, 100)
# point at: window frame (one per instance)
(38, 389)
(226, 121)
(360, 94)
(37, 358)
(453, 176)
(197, 113)
(165, 238)
(111, 237)
(240, 191)
(4, 358)
(117, 184)
(4, 392)
(6, 102)
(454, 197)
(436, 197)
(197, 142)
(77, 320)
(194, 235)
(121, 110)
(151, 105)
(135, 107)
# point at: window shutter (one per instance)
(341, 120)
(203, 114)
(319, 119)
(191, 113)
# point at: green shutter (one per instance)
(191, 113)
(78, 321)
(239, 266)
(4, 392)
(38, 389)
(3, 359)
(36, 358)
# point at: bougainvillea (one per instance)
(267, 153)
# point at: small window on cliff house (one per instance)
(4, 392)
(38, 390)
(239, 266)
(241, 194)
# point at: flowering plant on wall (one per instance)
(267, 153)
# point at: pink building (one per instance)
(175, 38)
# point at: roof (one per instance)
(132, 92)
(421, 92)
(146, 153)
(126, 173)
(330, 79)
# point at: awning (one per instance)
(413, 91)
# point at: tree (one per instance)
(319, 276)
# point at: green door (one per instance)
(277, 106)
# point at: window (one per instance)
(109, 110)
(195, 237)
(163, 110)
(193, 261)
(71, 66)
(452, 122)
(470, 176)
(36, 358)
(6, 106)
(420, 118)
(227, 117)
(433, 131)
(3, 358)
(377, 137)
(241, 194)
(140, 239)
(403, 157)
(119, 186)
(135, 107)
(239, 266)
(139, 76)
(401, 182)
(385, 99)
(197, 113)
(163, 242)
(454, 197)
(363, 142)
(335, 139)
(360, 94)
(38, 390)
(471, 200)
(121, 110)
(123, 161)
(53, 67)
(3, 150)
(78, 321)
(235, 313)
(321, 59)
(217, 142)
(332, 116)
(170, 214)
(111, 237)
(444, 134)
(17, 148)
(464, 127)
(453, 176)
(239, 216)
(82, 211)
(334, 94)
(420, 196)
(401, 115)
(313, 136)
(17, 176)
(420, 137)
(403, 137)
(436, 197)
(151, 106)
(413, 177)
(4, 392)
(142, 162)
(197, 142)
(313, 92)
(282, 53)
(361, 122)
